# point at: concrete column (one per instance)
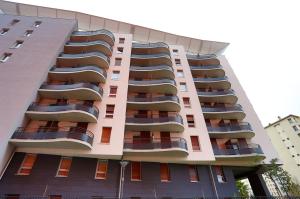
(258, 185)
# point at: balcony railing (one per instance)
(151, 82)
(222, 109)
(248, 150)
(244, 126)
(216, 93)
(151, 68)
(46, 133)
(84, 55)
(146, 120)
(208, 67)
(151, 56)
(96, 32)
(148, 144)
(150, 45)
(64, 107)
(89, 43)
(62, 87)
(78, 69)
(153, 99)
(210, 79)
(200, 57)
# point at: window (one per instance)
(115, 75)
(164, 172)
(295, 128)
(220, 174)
(5, 57)
(12, 196)
(15, 21)
(110, 108)
(175, 51)
(183, 87)
(4, 31)
(121, 40)
(37, 24)
(180, 73)
(64, 167)
(177, 62)
(18, 44)
(113, 91)
(101, 170)
(118, 61)
(190, 120)
(195, 143)
(186, 102)
(55, 197)
(105, 137)
(193, 173)
(27, 164)
(120, 50)
(136, 171)
(28, 33)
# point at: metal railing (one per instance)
(44, 133)
(207, 67)
(216, 93)
(64, 107)
(84, 55)
(154, 143)
(150, 68)
(96, 32)
(210, 79)
(63, 87)
(245, 150)
(89, 43)
(151, 56)
(150, 82)
(150, 45)
(78, 69)
(153, 99)
(146, 120)
(236, 107)
(200, 57)
(243, 126)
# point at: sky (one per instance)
(264, 37)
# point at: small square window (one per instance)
(177, 62)
(121, 40)
(113, 91)
(115, 75)
(120, 50)
(5, 57)
(15, 21)
(28, 33)
(295, 128)
(4, 31)
(175, 51)
(37, 24)
(183, 87)
(190, 120)
(110, 109)
(180, 73)
(118, 61)
(18, 44)
(101, 169)
(186, 102)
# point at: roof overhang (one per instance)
(91, 22)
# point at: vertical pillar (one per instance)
(121, 185)
(258, 185)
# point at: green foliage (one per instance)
(243, 189)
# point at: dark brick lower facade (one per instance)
(82, 183)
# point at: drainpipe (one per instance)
(213, 182)
(121, 184)
(7, 163)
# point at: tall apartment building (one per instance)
(285, 136)
(119, 110)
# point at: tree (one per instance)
(243, 189)
(279, 176)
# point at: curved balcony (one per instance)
(104, 35)
(173, 146)
(226, 96)
(150, 48)
(151, 59)
(209, 70)
(156, 72)
(249, 152)
(167, 86)
(213, 82)
(91, 46)
(81, 91)
(78, 74)
(68, 112)
(241, 130)
(83, 59)
(162, 103)
(49, 137)
(233, 112)
(172, 123)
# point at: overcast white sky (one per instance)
(264, 37)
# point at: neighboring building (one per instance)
(285, 136)
(123, 111)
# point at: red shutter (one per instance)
(106, 132)
(164, 172)
(193, 173)
(195, 143)
(135, 171)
